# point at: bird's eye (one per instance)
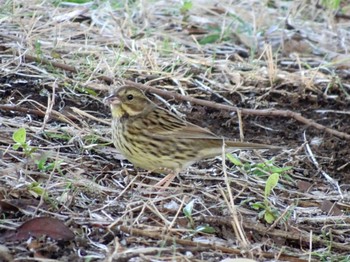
(130, 97)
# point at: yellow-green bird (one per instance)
(155, 139)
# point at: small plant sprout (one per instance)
(186, 6)
(44, 165)
(37, 190)
(273, 173)
(260, 169)
(20, 137)
(187, 210)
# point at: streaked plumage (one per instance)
(155, 139)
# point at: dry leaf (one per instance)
(42, 226)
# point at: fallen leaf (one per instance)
(303, 186)
(330, 208)
(41, 226)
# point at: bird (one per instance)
(157, 140)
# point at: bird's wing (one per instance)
(170, 125)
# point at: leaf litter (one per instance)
(56, 64)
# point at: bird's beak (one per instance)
(111, 100)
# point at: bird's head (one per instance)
(128, 101)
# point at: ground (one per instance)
(267, 72)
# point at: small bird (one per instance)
(155, 139)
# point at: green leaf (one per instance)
(205, 229)
(271, 183)
(35, 189)
(269, 217)
(38, 49)
(16, 146)
(54, 165)
(41, 163)
(89, 91)
(209, 39)
(63, 136)
(85, 90)
(38, 190)
(28, 150)
(234, 160)
(258, 205)
(20, 136)
(275, 169)
(187, 5)
(331, 4)
(188, 209)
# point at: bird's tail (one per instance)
(245, 145)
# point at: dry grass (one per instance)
(254, 62)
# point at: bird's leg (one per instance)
(165, 182)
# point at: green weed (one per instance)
(187, 210)
(267, 169)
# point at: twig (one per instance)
(50, 104)
(235, 221)
(314, 161)
(55, 114)
(188, 243)
(301, 236)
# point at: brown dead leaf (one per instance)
(294, 45)
(42, 226)
(330, 208)
(304, 186)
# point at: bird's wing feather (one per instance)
(171, 125)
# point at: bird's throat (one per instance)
(125, 111)
(118, 112)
